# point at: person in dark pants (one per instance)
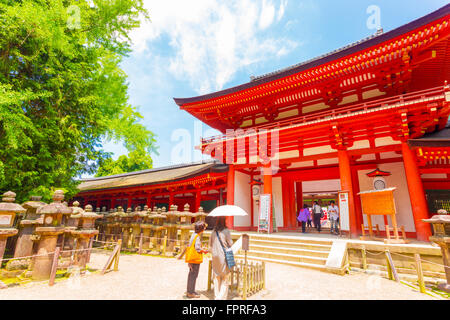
(194, 257)
(303, 217)
(317, 215)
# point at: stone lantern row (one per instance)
(42, 228)
(152, 230)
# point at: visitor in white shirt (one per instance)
(333, 216)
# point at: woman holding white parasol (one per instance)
(219, 243)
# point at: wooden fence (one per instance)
(246, 280)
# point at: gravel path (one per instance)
(145, 277)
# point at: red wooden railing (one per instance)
(437, 92)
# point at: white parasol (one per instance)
(228, 211)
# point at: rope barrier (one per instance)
(427, 261)
(374, 254)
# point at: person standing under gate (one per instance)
(219, 264)
(333, 216)
(317, 215)
(303, 217)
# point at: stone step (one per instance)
(287, 257)
(290, 244)
(295, 239)
(286, 250)
(287, 262)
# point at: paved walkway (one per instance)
(145, 277)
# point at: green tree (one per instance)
(62, 91)
(135, 161)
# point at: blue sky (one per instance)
(200, 46)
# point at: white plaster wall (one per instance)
(401, 195)
(277, 194)
(242, 197)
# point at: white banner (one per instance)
(344, 212)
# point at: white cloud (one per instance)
(210, 40)
(283, 5)
(267, 14)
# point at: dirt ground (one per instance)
(155, 278)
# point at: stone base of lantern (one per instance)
(444, 243)
(69, 242)
(42, 264)
(83, 238)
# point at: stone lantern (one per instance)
(8, 211)
(200, 215)
(83, 235)
(171, 226)
(147, 227)
(125, 224)
(24, 245)
(136, 221)
(71, 225)
(441, 226)
(109, 226)
(48, 234)
(185, 226)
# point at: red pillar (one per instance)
(230, 193)
(416, 193)
(299, 192)
(171, 199)
(113, 203)
(345, 174)
(357, 198)
(129, 202)
(267, 180)
(149, 201)
(198, 199)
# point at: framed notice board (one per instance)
(344, 215)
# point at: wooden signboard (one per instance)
(265, 210)
(381, 202)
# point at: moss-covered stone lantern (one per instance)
(185, 226)
(441, 236)
(24, 245)
(86, 230)
(8, 211)
(48, 233)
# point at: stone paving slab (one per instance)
(147, 277)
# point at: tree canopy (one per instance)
(63, 93)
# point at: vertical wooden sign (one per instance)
(265, 213)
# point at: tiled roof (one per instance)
(152, 176)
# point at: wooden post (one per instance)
(244, 280)
(364, 258)
(164, 245)
(419, 273)
(264, 274)
(388, 265)
(116, 262)
(51, 282)
(91, 241)
(391, 268)
(209, 275)
(140, 243)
